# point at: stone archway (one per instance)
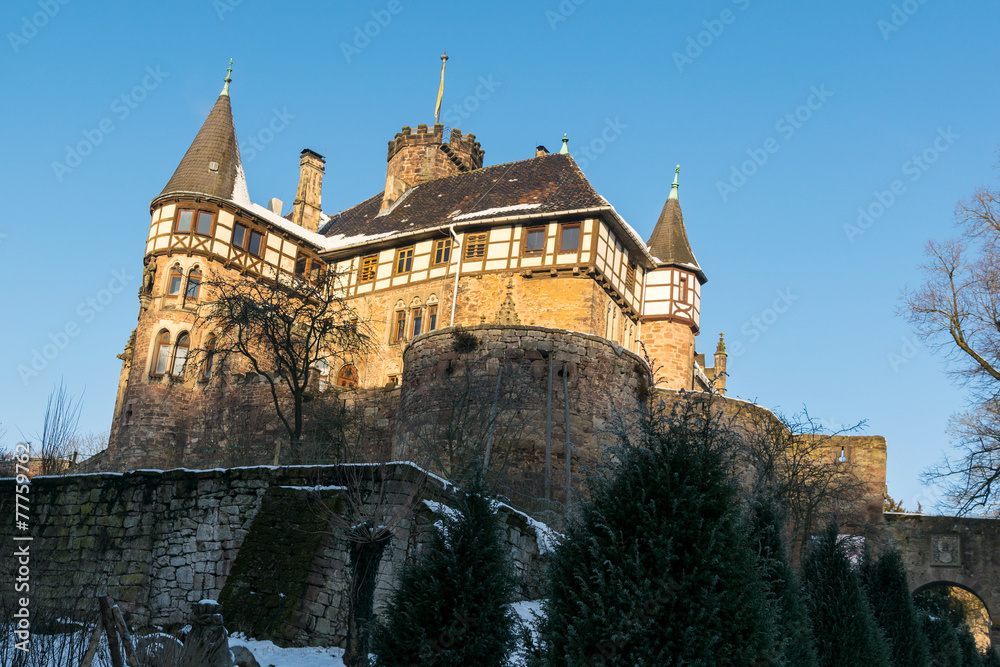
(953, 551)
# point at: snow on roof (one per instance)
(496, 210)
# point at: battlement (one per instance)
(463, 150)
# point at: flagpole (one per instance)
(437, 109)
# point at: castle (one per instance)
(526, 255)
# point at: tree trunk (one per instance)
(365, 559)
(112, 632)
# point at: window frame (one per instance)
(442, 250)
(177, 220)
(562, 237)
(527, 233)
(178, 273)
(368, 269)
(403, 255)
(398, 332)
(629, 275)
(210, 351)
(473, 241)
(196, 227)
(416, 322)
(193, 275)
(351, 380)
(682, 289)
(183, 343)
(248, 236)
(162, 341)
(432, 312)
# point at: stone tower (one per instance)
(168, 365)
(422, 156)
(671, 309)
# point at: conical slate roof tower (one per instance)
(669, 242)
(211, 166)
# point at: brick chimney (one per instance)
(421, 156)
(306, 208)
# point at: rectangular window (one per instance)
(418, 320)
(683, 291)
(399, 328)
(193, 287)
(256, 239)
(239, 235)
(300, 265)
(404, 260)
(569, 238)
(176, 278)
(475, 246)
(204, 223)
(534, 240)
(442, 252)
(629, 276)
(432, 318)
(367, 272)
(183, 222)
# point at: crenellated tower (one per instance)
(422, 156)
(671, 309)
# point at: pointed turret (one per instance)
(669, 242)
(212, 164)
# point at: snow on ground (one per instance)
(269, 654)
(311, 656)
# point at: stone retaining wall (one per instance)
(158, 542)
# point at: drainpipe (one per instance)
(457, 247)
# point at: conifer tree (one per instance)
(451, 607)
(795, 633)
(889, 596)
(971, 657)
(991, 659)
(945, 651)
(658, 569)
(843, 626)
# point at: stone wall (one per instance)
(158, 542)
(510, 366)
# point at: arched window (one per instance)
(180, 355)
(161, 355)
(323, 373)
(397, 332)
(432, 312)
(206, 371)
(418, 317)
(348, 376)
(176, 278)
(193, 285)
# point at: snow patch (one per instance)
(497, 210)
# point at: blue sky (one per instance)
(786, 117)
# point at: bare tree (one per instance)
(798, 465)
(283, 329)
(957, 312)
(59, 429)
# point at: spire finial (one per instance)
(674, 186)
(229, 77)
(565, 147)
(721, 347)
(437, 108)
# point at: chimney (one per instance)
(274, 205)
(420, 156)
(306, 208)
(540, 151)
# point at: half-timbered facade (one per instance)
(449, 242)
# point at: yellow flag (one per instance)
(437, 109)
